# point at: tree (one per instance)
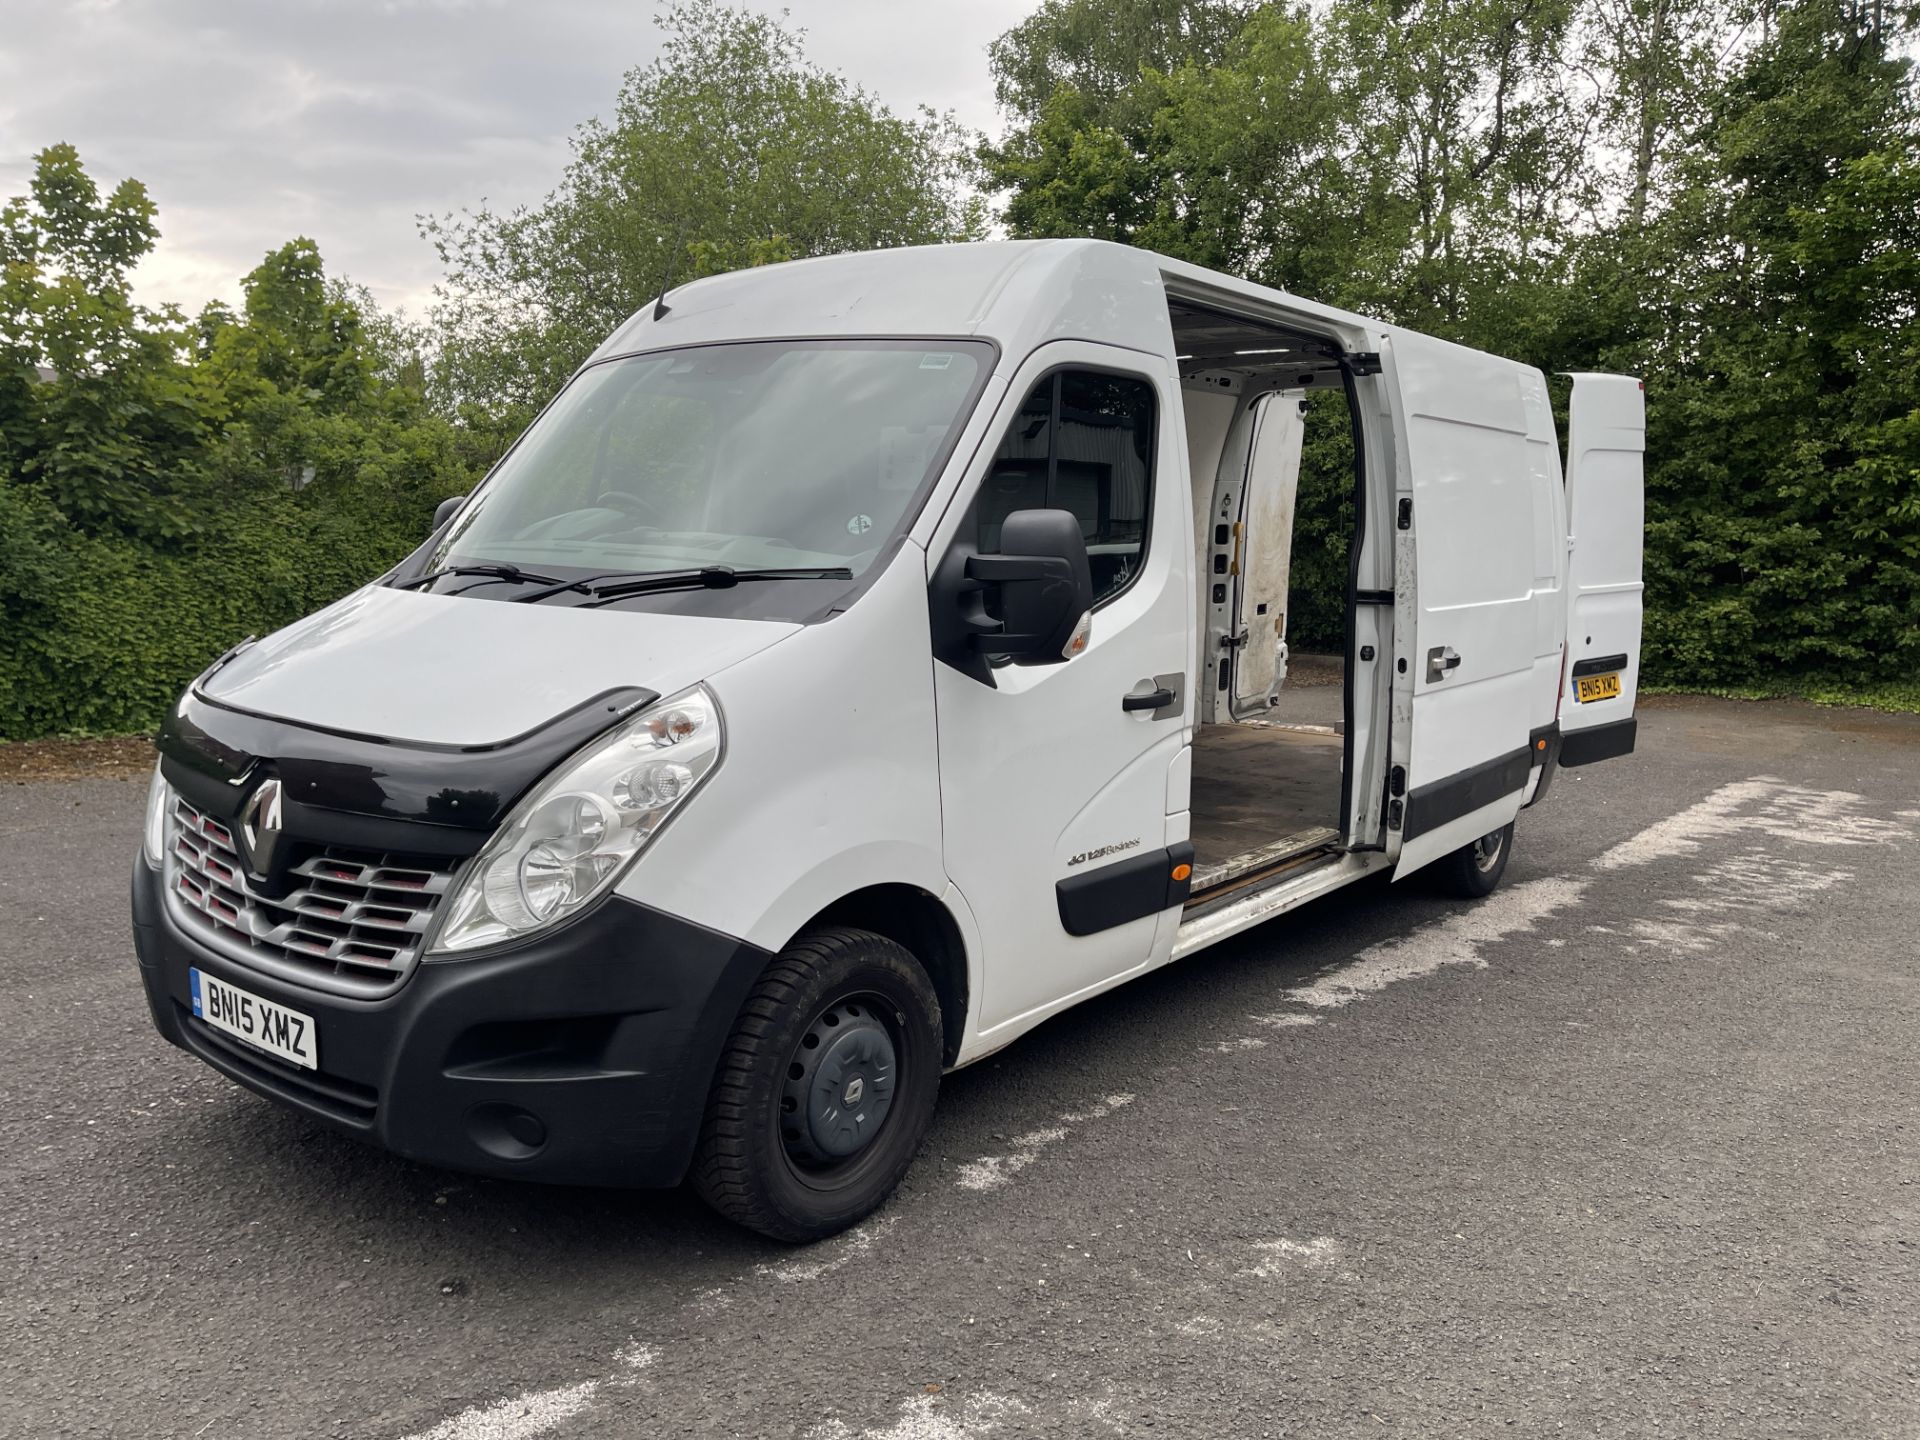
(99, 408)
(730, 149)
(1783, 362)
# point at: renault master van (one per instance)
(858, 662)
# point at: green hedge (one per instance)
(99, 634)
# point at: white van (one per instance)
(860, 661)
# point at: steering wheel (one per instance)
(628, 501)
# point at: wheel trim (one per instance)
(839, 1090)
(1488, 849)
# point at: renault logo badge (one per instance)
(260, 827)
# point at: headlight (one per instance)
(578, 829)
(159, 801)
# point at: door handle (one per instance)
(1152, 700)
(1442, 661)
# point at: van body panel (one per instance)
(1464, 469)
(1606, 445)
(1021, 294)
(1548, 510)
(475, 674)
(830, 780)
(1043, 776)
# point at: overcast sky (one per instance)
(252, 121)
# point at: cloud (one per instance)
(342, 120)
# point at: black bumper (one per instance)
(580, 1058)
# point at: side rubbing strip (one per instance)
(1602, 742)
(1433, 805)
(1114, 894)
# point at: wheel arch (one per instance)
(917, 920)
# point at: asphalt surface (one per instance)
(1631, 1148)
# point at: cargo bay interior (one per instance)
(1262, 402)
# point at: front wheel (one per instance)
(825, 1089)
(1473, 870)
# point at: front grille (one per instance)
(353, 922)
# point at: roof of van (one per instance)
(1017, 293)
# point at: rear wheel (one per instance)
(825, 1089)
(1473, 870)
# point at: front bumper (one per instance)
(583, 1057)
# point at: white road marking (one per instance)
(990, 1172)
(521, 1417)
(1228, 1047)
(848, 1248)
(1735, 885)
(933, 1417)
(1284, 1257)
(1456, 940)
(1786, 812)
(518, 1418)
(1285, 1019)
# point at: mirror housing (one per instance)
(444, 512)
(1045, 589)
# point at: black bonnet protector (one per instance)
(368, 792)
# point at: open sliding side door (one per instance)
(1464, 531)
(1606, 521)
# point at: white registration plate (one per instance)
(261, 1023)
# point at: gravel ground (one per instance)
(1630, 1149)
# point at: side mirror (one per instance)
(444, 511)
(1045, 589)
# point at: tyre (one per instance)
(825, 1088)
(1473, 870)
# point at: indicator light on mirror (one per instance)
(1082, 633)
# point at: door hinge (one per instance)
(1362, 364)
(1405, 520)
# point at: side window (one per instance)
(1082, 442)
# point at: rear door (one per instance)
(1253, 506)
(1464, 534)
(1606, 521)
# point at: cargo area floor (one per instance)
(1261, 793)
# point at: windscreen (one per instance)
(770, 453)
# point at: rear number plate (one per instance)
(262, 1024)
(1597, 687)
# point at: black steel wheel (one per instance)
(825, 1089)
(1474, 870)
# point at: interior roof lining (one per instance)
(1211, 340)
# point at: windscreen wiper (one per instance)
(492, 572)
(618, 584)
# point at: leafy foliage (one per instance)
(1721, 198)
(167, 488)
(730, 149)
(1720, 195)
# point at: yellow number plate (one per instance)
(1597, 687)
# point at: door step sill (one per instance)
(1209, 881)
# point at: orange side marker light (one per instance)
(1181, 872)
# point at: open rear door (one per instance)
(1464, 493)
(1606, 519)
(1266, 553)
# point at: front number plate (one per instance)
(261, 1023)
(1597, 687)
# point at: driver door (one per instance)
(1054, 778)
